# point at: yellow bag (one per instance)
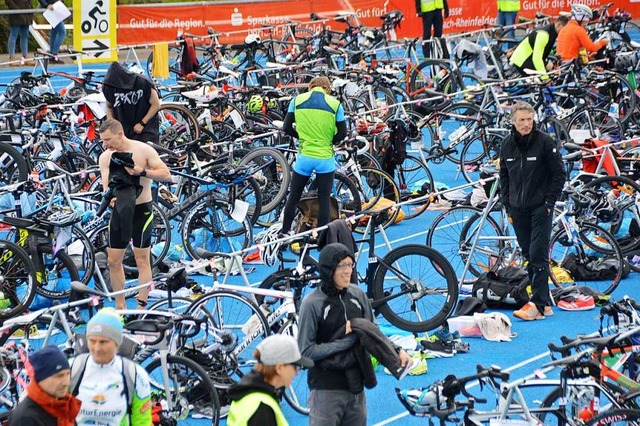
(561, 274)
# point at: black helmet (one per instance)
(625, 63)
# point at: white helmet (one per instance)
(252, 38)
(580, 12)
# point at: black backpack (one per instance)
(505, 288)
(394, 150)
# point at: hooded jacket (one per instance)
(322, 314)
(250, 383)
(128, 94)
(531, 171)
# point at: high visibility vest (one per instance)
(315, 114)
(431, 5)
(508, 5)
(242, 410)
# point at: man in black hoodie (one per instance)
(531, 179)
(333, 399)
(132, 99)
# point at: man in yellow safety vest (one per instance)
(431, 13)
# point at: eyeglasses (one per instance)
(346, 266)
(296, 367)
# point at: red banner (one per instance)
(139, 24)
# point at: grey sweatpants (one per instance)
(337, 407)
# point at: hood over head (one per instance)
(330, 256)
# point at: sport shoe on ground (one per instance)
(548, 311)
(442, 334)
(581, 303)
(437, 349)
(528, 312)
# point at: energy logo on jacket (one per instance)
(99, 399)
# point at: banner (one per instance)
(140, 24)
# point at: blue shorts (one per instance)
(306, 165)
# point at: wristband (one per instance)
(143, 172)
(142, 122)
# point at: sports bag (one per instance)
(505, 288)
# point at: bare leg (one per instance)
(143, 261)
(116, 272)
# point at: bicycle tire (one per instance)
(598, 122)
(59, 272)
(414, 181)
(35, 331)
(209, 222)
(599, 242)
(345, 192)
(451, 121)
(178, 305)
(437, 278)
(372, 185)
(18, 283)
(191, 390)
(298, 393)
(274, 176)
(177, 125)
(621, 194)
(621, 417)
(13, 165)
(490, 253)
(232, 320)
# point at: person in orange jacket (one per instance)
(574, 36)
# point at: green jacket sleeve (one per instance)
(542, 39)
(141, 404)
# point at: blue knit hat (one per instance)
(106, 323)
(47, 361)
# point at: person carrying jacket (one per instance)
(431, 13)
(574, 37)
(337, 396)
(255, 399)
(531, 180)
(533, 51)
(48, 401)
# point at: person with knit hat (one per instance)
(114, 390)
(48, 401)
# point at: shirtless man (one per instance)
(148, 166)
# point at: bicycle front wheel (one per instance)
(583, 257)
(192, 395)
(17, 280)
(419, 287)
(616, 417)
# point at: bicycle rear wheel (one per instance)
(420, 285)
(593, 245)
(193, 397)
(17, 280)
(620, 417)
(414, 181)
(273, 173)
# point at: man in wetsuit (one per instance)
(147, 166)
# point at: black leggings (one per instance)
(324, 183)
(431, 19)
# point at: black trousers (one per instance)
(533, 230)
(430, 20)
(298, 182)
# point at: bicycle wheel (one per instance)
(614, 208)
(17, 280)
(444, 234)
(420, 287)
(374, 184)
(298, 393)
(193, 397)
(273, 173)
(14, 167)
(599, 123)
(59, 271)
(457, 125)
(620, 417)
(345, 192)
(234, 328)
(178, 125)
(40, 332)
(476, 154)
(492, 251)
(591, 246)
(210, 225)
(414, 181)
(178, 305)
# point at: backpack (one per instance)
(128, 377)
(593, 269)
(309, 206)
(504, 288)
(394, 150)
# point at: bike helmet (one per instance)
(626, 62)
(580, 12)
(255, 103)
(252, 39)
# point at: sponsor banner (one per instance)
(140, 24)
